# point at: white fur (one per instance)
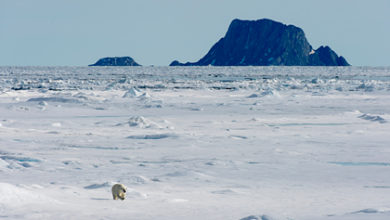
(118, 191)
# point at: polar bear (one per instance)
(118, 191)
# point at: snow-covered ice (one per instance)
(297, 143)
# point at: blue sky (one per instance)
(156, 32)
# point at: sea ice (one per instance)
(246, 143)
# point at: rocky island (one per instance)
(266, 43)
(116, 61)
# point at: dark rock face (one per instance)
(116, 61)
(324, 56)
(263, 43)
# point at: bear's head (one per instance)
(122, 192)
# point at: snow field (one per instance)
(195, 143)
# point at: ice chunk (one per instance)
(141, 122)
(133, 92)
(13, 196)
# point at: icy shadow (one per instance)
(54, 99)
(374, 118)
(360, 163)
(98, 186)
(257, 217)
(152, 136)
(17, 162)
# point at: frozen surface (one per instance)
(268, 143)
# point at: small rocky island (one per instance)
(266, 43)
(116, 61)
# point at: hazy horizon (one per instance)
(73, 33)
